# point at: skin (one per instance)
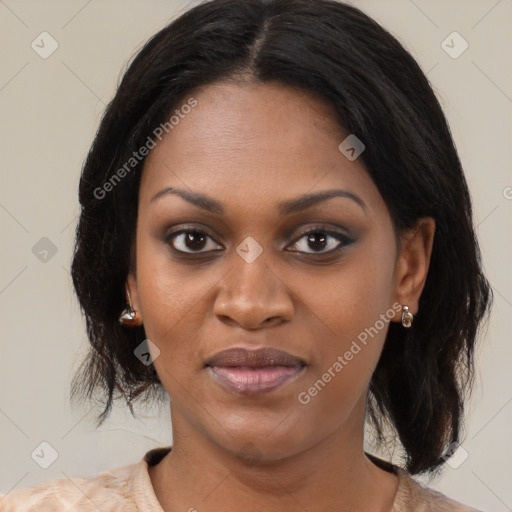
(250, 147)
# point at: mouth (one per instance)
(254, 372)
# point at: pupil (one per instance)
(191, 244)
(318, 235)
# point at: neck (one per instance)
(334, 474)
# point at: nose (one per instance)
(252, 295)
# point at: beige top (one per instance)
(129, 489)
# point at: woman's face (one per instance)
(255, 278)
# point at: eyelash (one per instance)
(342, 238)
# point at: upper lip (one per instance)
(259, 358)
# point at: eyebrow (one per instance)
(285, 208)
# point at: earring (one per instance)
(406, 316)
(129, 316)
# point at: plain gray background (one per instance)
(51, 108)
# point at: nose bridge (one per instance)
(251, 274)
(252, 291)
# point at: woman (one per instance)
(276, 232)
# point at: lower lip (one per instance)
(254, 381)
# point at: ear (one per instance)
(412, 264)
(131, 284)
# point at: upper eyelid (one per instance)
(187, 229)
(328, 230)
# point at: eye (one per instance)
(320, 239)
(197, 241)
(192, 241)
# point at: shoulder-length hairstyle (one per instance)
(377, 91)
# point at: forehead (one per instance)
(251, 142)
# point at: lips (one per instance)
(254, 372)
(260, 358)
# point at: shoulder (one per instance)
(412, 496)
(110, 491)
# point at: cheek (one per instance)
(343, 364)
(350, 298)
(349, 316)
(171, 302)
(168, 291)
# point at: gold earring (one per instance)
(406, 316)
(129, 317)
